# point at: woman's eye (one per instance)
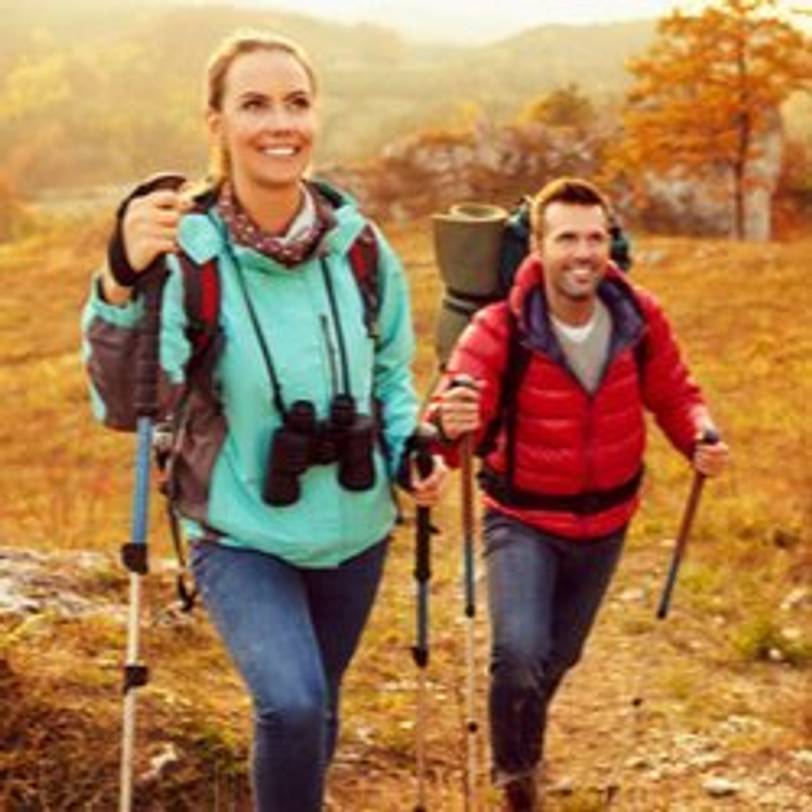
(253, 104)
(300, 103)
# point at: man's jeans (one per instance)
(544, 593)
(291, 633)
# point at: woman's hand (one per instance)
(426, 490)
(150, 226)
(147, 228)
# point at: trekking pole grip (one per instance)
(150, 287)
(710, 436)
(146, 364)
(425, 463)
(420, 452)
(467, 450)
(149, 284)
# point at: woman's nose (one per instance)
(277, 119)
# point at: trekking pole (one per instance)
(422, 575)
(709, 437)
(134, 553)
(467, 487)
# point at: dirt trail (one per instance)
(705, 735)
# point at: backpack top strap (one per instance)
(515, 246)
(363, 256)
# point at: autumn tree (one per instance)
(709, 89)
(564, 107)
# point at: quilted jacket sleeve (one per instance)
(669, 390)
(109, 346)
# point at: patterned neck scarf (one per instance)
(299, 242)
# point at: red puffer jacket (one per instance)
(577, 456)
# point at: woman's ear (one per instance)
(218, 155)
(214, 125)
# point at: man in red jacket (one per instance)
(554, 381)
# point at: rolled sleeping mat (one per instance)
(467, 245)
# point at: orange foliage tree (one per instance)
(708, 89)
(564, 107)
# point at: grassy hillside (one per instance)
(725, 680)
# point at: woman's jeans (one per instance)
(291, 633)
(544, 593)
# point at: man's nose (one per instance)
(584, 247)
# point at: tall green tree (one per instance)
(709, 89)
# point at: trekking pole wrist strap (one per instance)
(120, 268)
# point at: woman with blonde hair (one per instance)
(290, 443)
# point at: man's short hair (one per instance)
(573, 191)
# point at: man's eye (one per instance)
(253, 104)
(299, 103)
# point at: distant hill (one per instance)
(110, 91)
(551, 56)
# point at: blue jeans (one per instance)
(543, 593)
(291, 633)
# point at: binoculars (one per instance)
(345, 437)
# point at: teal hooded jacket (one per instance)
(222, 445)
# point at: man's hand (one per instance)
(710, 458)
(458, 411)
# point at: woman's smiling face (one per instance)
(267, 121)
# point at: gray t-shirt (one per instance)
(585, 347)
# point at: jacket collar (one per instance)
(201, 232)
(528, 304)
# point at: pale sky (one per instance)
(486, 20)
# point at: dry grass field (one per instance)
(724, 681)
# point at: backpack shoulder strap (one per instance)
(641, 355)
(363, 255)
(201, 286)
(517, 361)
(641, 346)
